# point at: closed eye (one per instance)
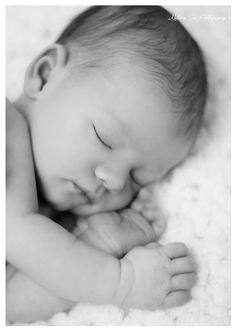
(100, 139)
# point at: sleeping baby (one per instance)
(107, 111)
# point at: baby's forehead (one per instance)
(129, 108)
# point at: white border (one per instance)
(2, 140)
(124, 2)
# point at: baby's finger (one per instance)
(183, 281)
(137, 206)
(159, 226)
(182, 265)
(144, 194)
(176, 250)
(150, 212)
(177, 298)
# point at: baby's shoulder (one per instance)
(20, 179)
(18, 146)
(17, 136)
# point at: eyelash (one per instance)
(100, 139)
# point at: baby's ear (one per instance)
(43, 68)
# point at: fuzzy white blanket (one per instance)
(195, 200)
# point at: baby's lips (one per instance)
(98, 193)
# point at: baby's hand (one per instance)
(156, 276)
(115, 232)
(147, 207)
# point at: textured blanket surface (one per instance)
(195, 199)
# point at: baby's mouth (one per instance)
(83, 192)
(89, 196)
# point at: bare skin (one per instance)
(91, 142)
(117, 234)
(28, 302)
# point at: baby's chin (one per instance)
(99, 207)
(91, 209)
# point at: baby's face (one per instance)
(98, 139)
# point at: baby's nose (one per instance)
(114, 181)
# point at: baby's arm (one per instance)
(151, 277)
(26, 301)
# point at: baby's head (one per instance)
(113, 105)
